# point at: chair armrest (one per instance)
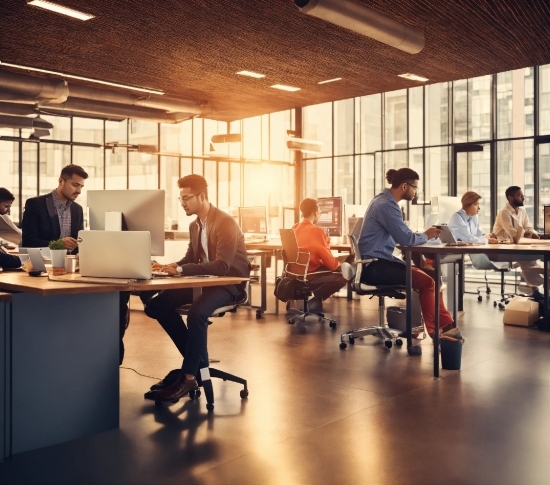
(364, 261)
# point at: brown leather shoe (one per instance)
(180, 388)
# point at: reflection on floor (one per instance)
(320, 415)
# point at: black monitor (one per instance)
(142, 210)
(253, 220)
(330, 217)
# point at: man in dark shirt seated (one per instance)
(217, 248)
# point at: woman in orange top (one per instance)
(314, 240)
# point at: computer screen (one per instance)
(142, 210)
(352, 213)
(253, 220)
(330, 218)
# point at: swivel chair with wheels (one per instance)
(295, 272)
(482, 262)
(206, 373)
(381, 331)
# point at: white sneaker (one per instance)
(348, 271)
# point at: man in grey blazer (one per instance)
(217, 248)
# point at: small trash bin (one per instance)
(451, 353)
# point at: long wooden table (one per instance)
(59, 374)
(531, 249)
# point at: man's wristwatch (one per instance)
(179, 269)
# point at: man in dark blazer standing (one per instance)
(55, 215)
(217, 248)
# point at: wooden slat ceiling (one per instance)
(193, 48)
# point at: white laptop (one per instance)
(37, 260)
(115, 254)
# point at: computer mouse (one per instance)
(35, 272)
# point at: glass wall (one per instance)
(137, 154)
(418, 128)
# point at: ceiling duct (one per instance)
(354, 16)
(34, 87)
(22, 122)
(17, 109)
(59, 97)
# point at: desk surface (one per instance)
(529, 247)
(40, 285)
(274, 244)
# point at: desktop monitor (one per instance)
(253, 220)
(352, 213)
(330, 217)
(142, 210)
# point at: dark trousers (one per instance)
(190, 339)
(325, 284)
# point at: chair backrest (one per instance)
(482, 261)
(356, 282)
(296, 261)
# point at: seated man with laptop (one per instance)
(216, 248)
(511, 224)
(313, 239)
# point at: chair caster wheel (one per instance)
(501, 306)
(319, 319)
(352, 340)
(488, 290)
(343, 345)
(415, 350)
(194, 394)
(479, 298)
(258, 315)
(244, 394)
(388, 344)
(210, 407)
(398, 342)
(291, 321)
(494, 303)
(333, 324)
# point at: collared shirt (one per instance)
(63, 212)
(383, 228)
(314, 240)
(204, 240)
(510, 224)
(466, 228)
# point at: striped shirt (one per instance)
(383, 228)
(63, 212)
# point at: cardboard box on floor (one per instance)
(521, 311)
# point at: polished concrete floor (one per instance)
(320, 415)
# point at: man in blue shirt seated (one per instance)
(464, 224)
(383, 227)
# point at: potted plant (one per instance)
(58, 256)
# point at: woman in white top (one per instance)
(464, 224)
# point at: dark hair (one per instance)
(308, 207)
(397, 177)
(5, 195)
(70, 170)
(195, 182)
(511, 191)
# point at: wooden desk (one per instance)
(531, 250)
(60, 371)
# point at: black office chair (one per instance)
(206, 373)
(381, 331)
(293, 284)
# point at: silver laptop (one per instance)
(115, 254)
(446, 236)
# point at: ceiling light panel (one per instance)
(54, 7)
(282, 87)
(251, 74)
(330, 80)
(81, 78)
(413, 77)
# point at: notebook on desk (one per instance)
(115, 254)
